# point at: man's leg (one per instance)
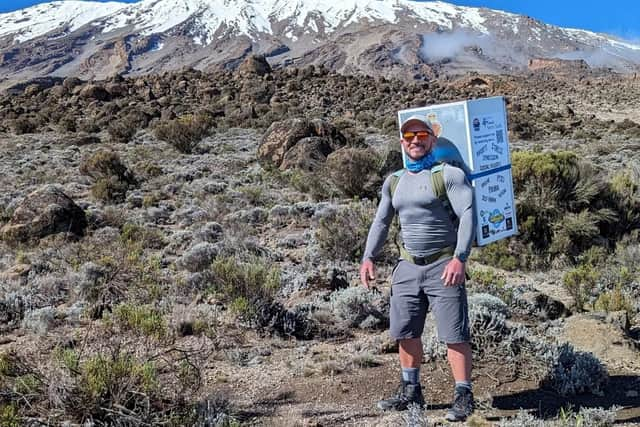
(407, 314)
(410, 352)
(459, 356)
(449, 306)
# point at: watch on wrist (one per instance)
(461, 257)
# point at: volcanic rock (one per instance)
(45, 211)
(254, 64)
(282, 136)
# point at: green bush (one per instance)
(575, 232)
(318, 189)
(564, 205)
(624, 198)
(580, 282)
(244, 285)
(134, 234)
(498, 254)
(485, 277)
(486, 280)
(9, 416)
(615, 300)
(542, 182)
(140, 319)
(116, 380)
(112, 387)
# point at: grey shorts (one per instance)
(414, 290)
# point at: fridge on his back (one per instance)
(473, 135)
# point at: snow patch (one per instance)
(35, 21)
(149, 17)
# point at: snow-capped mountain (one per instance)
(93, 39)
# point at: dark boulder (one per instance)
(309, 154)
(279, 138)
(283, 136)
(255, 64)
(45, 211)
(542, 305)
(97, 92)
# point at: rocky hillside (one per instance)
(182, 249)
(381, 38)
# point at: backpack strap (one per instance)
(395, 179)
(440, 189)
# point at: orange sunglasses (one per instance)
(422, 135)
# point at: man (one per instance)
(431, 271)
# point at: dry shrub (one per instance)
(104, 164)
(354, 171)
(109, 190)
(111, 177)
(185, 132)
(68, 124)
(23, 125)
(120, 132)
(341, 232)
(109, 387)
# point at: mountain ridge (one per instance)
(378, 37)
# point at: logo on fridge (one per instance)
(436, 126)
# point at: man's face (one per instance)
(419, 145)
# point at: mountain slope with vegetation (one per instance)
(182, 249)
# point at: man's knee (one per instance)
(411, 345)
(460, 347)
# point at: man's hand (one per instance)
(367, 272)
(453, 274)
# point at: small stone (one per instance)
(255, 361)
(16, 272)
(40, 320)
(389, 346)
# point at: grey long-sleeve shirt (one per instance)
(425, 224)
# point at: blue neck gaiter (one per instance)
(425, 162)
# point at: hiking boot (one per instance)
(462, 405)
(407, 394)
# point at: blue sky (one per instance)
(617, 17)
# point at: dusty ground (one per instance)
(269, 380)
(292, 387)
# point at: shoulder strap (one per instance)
(437, 182)
(395, 178)
(440, 189)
